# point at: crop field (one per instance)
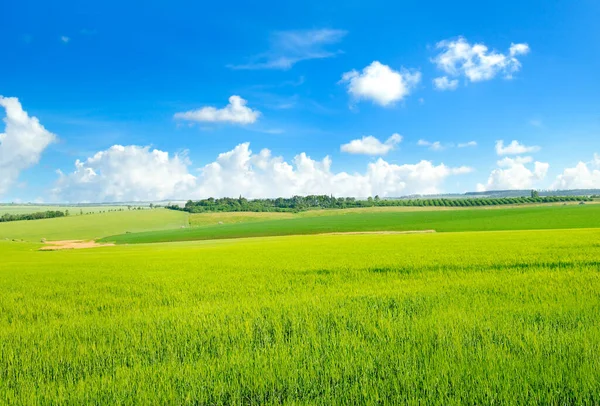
(74, 210)
(94, 225)
(455, 317)
(525, 218)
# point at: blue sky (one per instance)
(313, 77)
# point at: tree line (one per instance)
(33, 216)
(302, 203)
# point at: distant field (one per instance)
(446, 318)
(204, 219)
(522, 218)
(210, 219)
(93, 225)
(73, 210)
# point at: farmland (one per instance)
(74, 210)
(526, 218)
(93, 225)
(507, 315)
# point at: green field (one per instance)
(455, 317)
(74, 210)
(93, 225)
(523, 218)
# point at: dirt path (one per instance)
(71, 245)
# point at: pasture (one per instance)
(93, 225)
(335, 221)
(454, 317)
(73, 210)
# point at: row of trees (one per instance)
(33, 216)
(301, 203)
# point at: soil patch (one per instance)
(71, 245)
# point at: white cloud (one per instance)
(467, 144)
(370, 145)
(434, 146)
(582, 176)
(475, 62)
(126, 173)
(290, 47)
(380, 83)
(22, 142)
(235, 112)
(65, 39)
(514, 148)
(509, 162)
(518, 49)
(132, 173)
(443, 83)
(513, 174)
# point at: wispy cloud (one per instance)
(467, 144)
(514, 148)
(290, 47)
(434, 146)
(536, 123)
(64, 39)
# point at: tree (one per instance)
(534, 194)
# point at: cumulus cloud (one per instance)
(585, 175)
(380, 83)
(518, 49)
(370, 145)
(476, 62)
(443, 83)
(22, 142)
(290, 47)
(512, 173)
(138, 173)
(467, 144)
(514, 148)
(434, 146)
(126, 173)
(235, 112)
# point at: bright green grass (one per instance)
(454, 318)
(208, 219)
(93, 225)
(550, 217)
(74, 210)
(211, 219)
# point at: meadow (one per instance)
(454, 317)
(324, 221)
(73, 210)
(93, 225)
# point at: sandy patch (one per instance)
(71, 245)
(379, 232)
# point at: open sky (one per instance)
(115, 101)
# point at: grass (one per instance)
(93, 225)
(447, 318)
(208, 219)
(543, 217)
(74, 210)
(211, 219)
